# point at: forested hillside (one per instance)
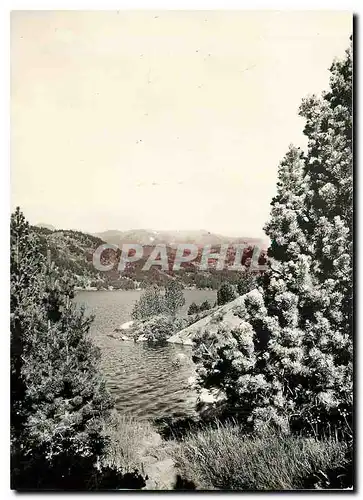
(73, 251)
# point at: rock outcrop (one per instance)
(224, 316)
(221, 317)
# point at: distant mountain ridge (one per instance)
(146, 237)
(45, 226)
(172, 238)
(74, 250)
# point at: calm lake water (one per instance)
(145, 381)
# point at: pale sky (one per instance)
(162, 120)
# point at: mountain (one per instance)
(74, 250)
(172, 238)
(71, 250)
(45, 226)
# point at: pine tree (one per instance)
(174, 297)
(226, 292)
(329, 348)
(205, 306)
(246, 282)
(26, 266)
(247, 362)
(151, 303)
(193, 309)
(59, 399)
(296, 368)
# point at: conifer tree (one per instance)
(328, 332)
(59, 399)
(26, 266)
(151, 303)
(226, 292)
(247, 281)
(193, 309)
(290, 362)
(246, 362)
(205, 306)
(174, 297)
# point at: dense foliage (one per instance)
(289, 362)
(173, 297)
(159, 328)
(59, 400)
(71, 251)
(226, 293)
(154, 302)
(151, 303)
(247, 281)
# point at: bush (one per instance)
(128, 439)
(224, 458)
(159, 328)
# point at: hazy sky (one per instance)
(163, 120)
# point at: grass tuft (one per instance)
(130, 441)
(222, 457)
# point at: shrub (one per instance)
(129, 438)
(159, 328)
(223, 457)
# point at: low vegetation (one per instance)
(223, 457)
(159, 328)
(129, 442)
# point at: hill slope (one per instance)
(73, 250)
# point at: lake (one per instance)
(145, 381)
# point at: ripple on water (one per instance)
(145, 381)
